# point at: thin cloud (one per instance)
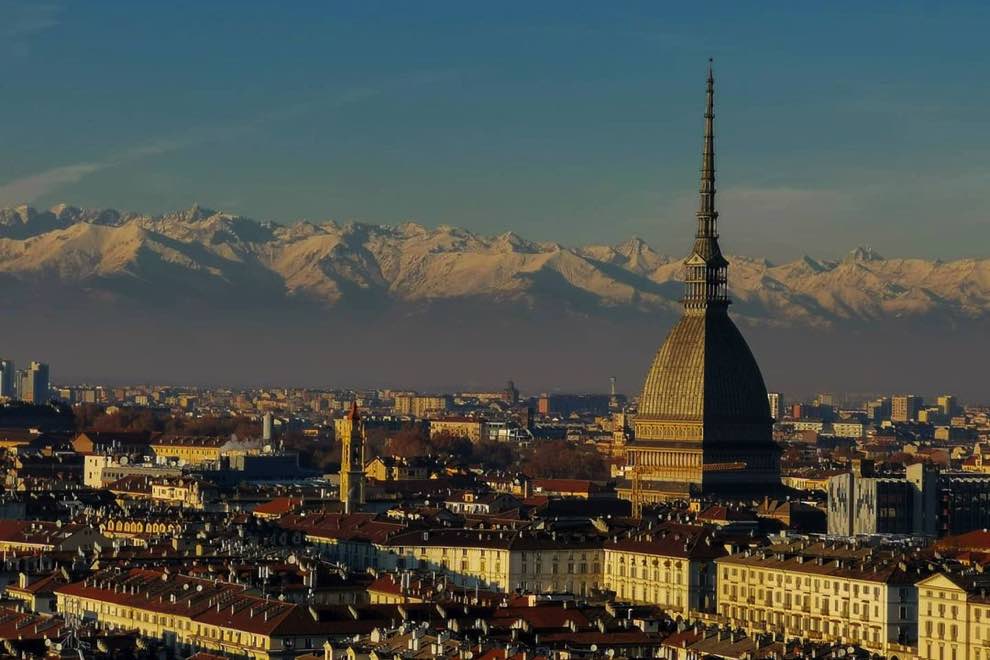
(20, 21)
(29, 188)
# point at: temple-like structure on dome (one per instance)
(703, 424)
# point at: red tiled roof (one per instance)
(723, 513)
(18, 625)
(278, 506)
(565, 485)
(977, 540)
(206, 601)
(342, 526)
(43, 584)
(546, 617)
(36, 532)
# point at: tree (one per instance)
(407, 444)
(559, 459)
(446, 444)
(495, 455)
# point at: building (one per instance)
(904, 408)
(878, 410)
(352, 461)
(503, 560)
(496, 559)
(824, 590)
(954, 616)
(35, 384)
(191, 614)
(266, 427)
(8, 379)
(44, 536)
(113, 443)
(848, 429)
(704, 421)
(816, 425)
(776, 401)
(861, 503)
(948, 405)
(512, 393)
(100, 470)
(420, 406)
(579, 488)
(189, 450)
(396, 468)
(468, 502)
(473, 429)
(963, 502)
(564, 405)
(672, 567)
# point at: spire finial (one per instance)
(706, 267)
(706, 206)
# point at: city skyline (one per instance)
(506, 430)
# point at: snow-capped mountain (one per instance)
(207, 256)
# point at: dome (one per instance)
(705, 372)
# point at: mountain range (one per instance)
(246, 280)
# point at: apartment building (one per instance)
(824, 590)
(474, 430)
(190, 450)
(672, 567)
(419, 405)
(954, 616)
(498, 560)
(191, 614)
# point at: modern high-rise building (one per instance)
(860, 502)
(703, 422)
(511, 393)
(8, 380)
(776, 400)
(35, 384)
(904, 407)
(351, 460)
(948, 404)
(878, 410)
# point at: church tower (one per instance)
(351, 432)
(703, 422)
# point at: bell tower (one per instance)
(352, 461)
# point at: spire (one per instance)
(707, 215)
(353, 412)
(705, 281)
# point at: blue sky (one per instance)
(839, 124)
